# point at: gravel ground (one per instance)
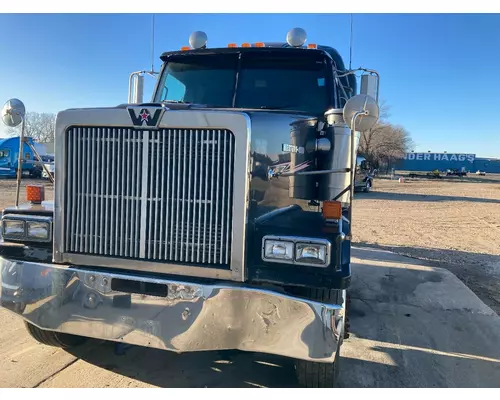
(452, 223)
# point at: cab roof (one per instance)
(273, 46)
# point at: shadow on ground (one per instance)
(469, 179)
(231, 369)
(393, 196)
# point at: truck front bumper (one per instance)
(167, 314)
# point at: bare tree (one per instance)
(384, 143)
(390, 144)
(39, 126)
(366, 140)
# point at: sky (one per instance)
(439, 72)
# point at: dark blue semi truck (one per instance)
(216, 216)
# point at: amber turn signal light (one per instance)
(332, 210)
(35, 193)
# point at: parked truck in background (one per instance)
(363, 179)
(9, 152)
(216, 216)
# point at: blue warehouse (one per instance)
(426, 162)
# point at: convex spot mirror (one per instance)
(13, 112)
(364, 104)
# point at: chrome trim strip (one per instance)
(144, 194)
(179, 316)
(238, 123)
(148, 266)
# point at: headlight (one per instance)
(13, 229)
(278, 250)
(296, 250)
(310, 253)
(20, 227)
(38, 230)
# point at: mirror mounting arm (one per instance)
(20, 159)
(353, 167)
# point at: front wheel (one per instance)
(318, 375)
(368, 185)
(55, 339)
(314, 374)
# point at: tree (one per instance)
(366, 140)
(385, 142)
(39, 126)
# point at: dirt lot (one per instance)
(453, 223)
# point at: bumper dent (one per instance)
(191, 317)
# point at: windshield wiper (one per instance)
(176, 101)
(275, 107)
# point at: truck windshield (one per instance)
(258, 81)
(4, 153)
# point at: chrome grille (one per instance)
(162, 195)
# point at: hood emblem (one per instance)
(142, 116)
(290, 148)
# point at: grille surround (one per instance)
(237, 123)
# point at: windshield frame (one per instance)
(332, 92)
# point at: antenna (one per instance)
(350, 47)
(152, 43)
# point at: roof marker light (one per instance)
(232, 45)
(296, 37)
(184, 48)
(312, 46)
(198, 40)
(260, 44)
(246, 45)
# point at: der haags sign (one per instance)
(440, 157)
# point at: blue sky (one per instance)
(438, 71)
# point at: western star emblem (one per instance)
(150, 117)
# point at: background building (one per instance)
(444, 161)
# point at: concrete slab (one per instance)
(412, 326)
(417, 326)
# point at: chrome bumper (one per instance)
(176, 315)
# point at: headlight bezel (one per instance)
(26, 220)
(297, 240)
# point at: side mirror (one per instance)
(136, 88)
(370, 85)
(361, 112)
(13, 112)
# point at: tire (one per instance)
(54, 339)
(318, 375)
(314, 374)
(368, 185)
